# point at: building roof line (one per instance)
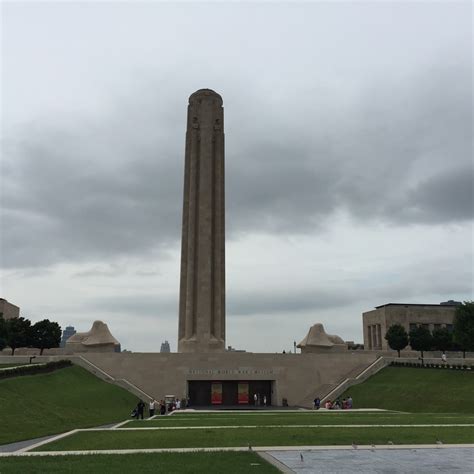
(418, 304)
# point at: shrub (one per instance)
(34, 369)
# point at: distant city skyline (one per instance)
(68, 331)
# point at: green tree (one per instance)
(464, 326)
(397, 337)
(421, 339)
(3, 333)
(45, 334)
(442, 339)
(18, 333)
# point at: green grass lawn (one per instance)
(182, 463)
(302, 418)
(209, 437)
(416, 390)
(38, 405)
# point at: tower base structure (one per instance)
(201, 345)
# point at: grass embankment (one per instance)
(183, 463)
(44, 404)
(416, 390)
(304, 418)
(287, 436)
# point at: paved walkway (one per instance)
(420, 460)
(12, 447)
(231, 427)
(22, 445)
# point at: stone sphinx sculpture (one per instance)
(318, 340)
(98, 339)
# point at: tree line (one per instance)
(19, 332)
(421, 339)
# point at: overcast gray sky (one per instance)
(349, 172)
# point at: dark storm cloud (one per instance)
(64, 200)
(448, 196)
(88, 190)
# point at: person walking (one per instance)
(255, 398)
(140, 409)
(152, 407)
(316, 403)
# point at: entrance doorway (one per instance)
(229, 392)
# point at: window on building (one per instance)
(449, 327)
(437, 326)
(426, 326)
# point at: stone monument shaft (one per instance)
(202, 285)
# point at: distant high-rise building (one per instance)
(165, 347)
(67, 333)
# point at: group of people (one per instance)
(346, 404)
(155, 407)
(258, 400)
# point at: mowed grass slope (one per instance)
(416, 390)
(183, 463)
(38, 405)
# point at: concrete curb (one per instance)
(275, 462)
(256, 449)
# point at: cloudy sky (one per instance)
(349, 172)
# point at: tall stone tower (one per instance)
(202, 286)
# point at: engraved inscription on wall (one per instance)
(239, 371)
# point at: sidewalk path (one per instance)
(290, 451)
(12, 447)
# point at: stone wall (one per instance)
(296, 377)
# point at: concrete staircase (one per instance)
(320, 391)
(355, 376)
(372, 369)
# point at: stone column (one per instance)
(374, 335)
(202, 287)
